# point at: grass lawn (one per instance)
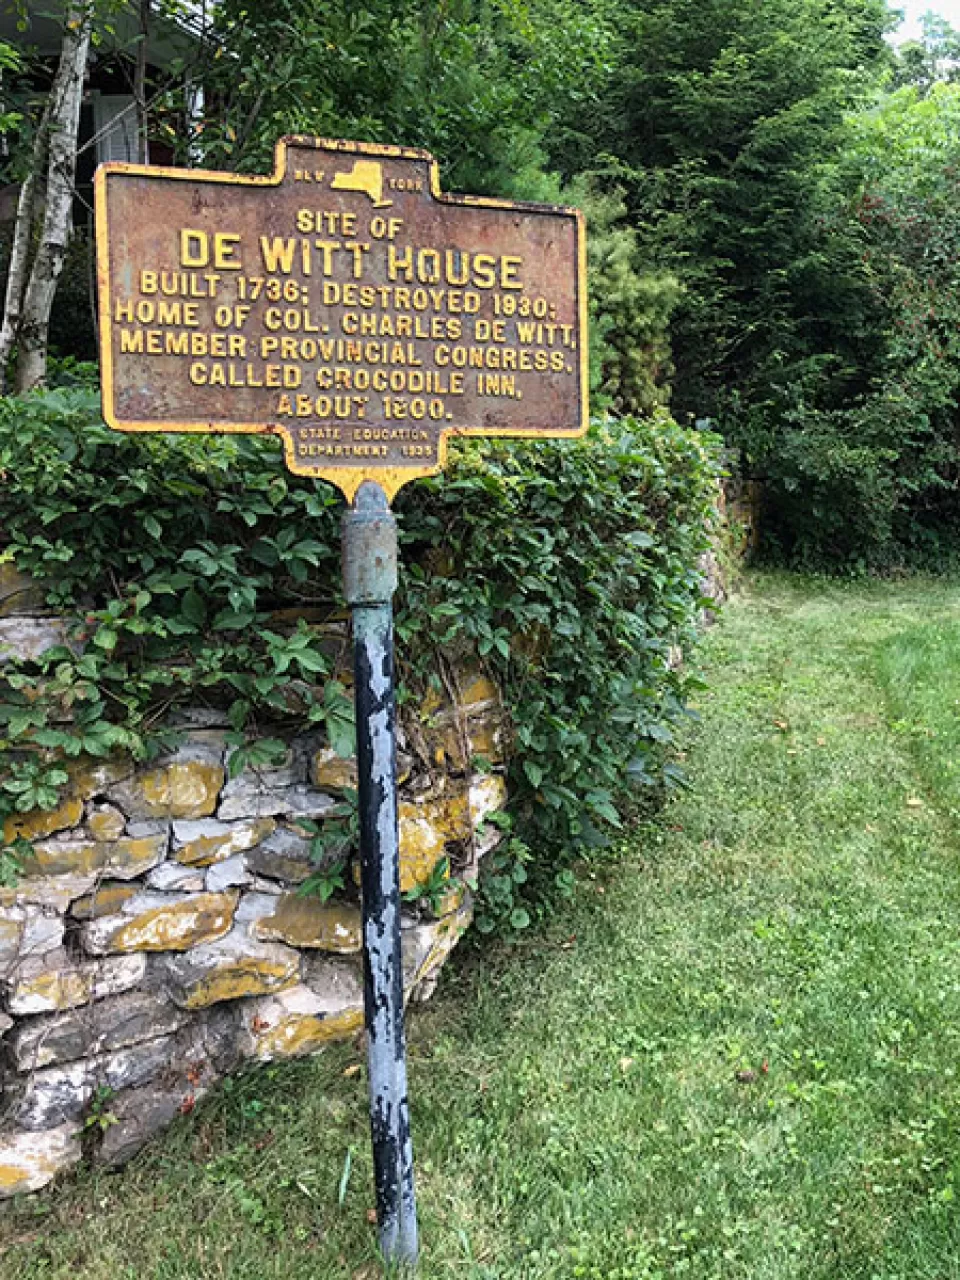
(736, 1056)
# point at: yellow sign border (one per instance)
(347, 479)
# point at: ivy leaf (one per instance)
(193, 608)
(534, 772)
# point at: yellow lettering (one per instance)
(277, 254)
(327, 247)
(484, 271)
(399, 262)
(194, 248)
(508, 272)
(224, 248)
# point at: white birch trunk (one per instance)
(19, 267)
(140, 84)
(61, 173)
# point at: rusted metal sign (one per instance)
(344, 303)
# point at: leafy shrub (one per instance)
(186, 562)
(862, 458)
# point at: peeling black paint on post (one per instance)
(370, 579)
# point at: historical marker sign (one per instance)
(349, 307)
(344, 303)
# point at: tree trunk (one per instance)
(19, 267)
(61, 173)
(140, 84)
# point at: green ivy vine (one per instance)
(197, 571)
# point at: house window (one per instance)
(115, 128)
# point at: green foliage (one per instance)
(569, 567)
(505, 879)
(872, 482)
(98, 1118)
(333, 840)
(931, 60)
(432, 889)
(474, 80)
(770, 227)
(630, 306)
(716, 119)
(11, 64)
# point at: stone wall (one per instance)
(157, 938)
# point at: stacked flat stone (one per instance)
(156, 939)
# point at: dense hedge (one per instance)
(570, 567)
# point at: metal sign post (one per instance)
(348, 306)
(369, 581)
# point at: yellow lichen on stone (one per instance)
(15, 1178)
(449, 931)
(431, 703)
(473, 690)
(203, 917)
(89, 777)
(206, 850)
(58, 990)
(427, 827)
(424, 831)
(106, 824)
(476, 689)
(28, 1161)
(182, 789)
(310, 923)
(10, 931)
(457, 744)
(18, 592)
(331, 772)
(486, 738)
(250, 976)
(106, 899)
(43, 822)
(122, 858)
(488, 793)
(296, 1036)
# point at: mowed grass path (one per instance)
(736, 1056)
